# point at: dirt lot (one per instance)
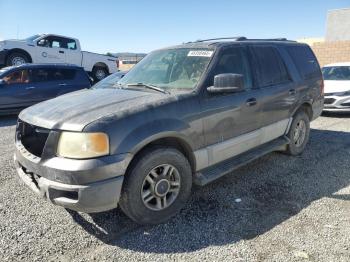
(291, 209)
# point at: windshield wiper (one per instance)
(150, 87)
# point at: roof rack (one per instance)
(240, 38)
(235, 38)
(269, 39)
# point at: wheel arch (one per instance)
(165, 140)
(19, 50)
(307, 108)
(100, 64)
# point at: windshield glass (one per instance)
(109, 81)
(336, 73)
(169, 69)
(32, 38)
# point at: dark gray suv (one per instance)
(184, 115)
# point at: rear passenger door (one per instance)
(64, 79)
(277, 90)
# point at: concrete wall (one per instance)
(338, 25)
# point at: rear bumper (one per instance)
(317, 107)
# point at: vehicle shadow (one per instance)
(8, 120)
(272, 189)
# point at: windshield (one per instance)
(169, 69)
(32, 38)
(336, 73)
(110, 81)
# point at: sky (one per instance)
(142, 26)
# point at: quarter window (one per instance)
(269, 66)
(305, 61)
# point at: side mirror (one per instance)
(227, 83)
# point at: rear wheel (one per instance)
(98, 73)
(298, 134)
(157, 186)
(15, 59)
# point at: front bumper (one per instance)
(92, 185)
(337, 104)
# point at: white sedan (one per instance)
(337, 87)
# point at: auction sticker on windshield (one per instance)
(204, 53)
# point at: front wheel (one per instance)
(298, 134)
(15, 59)
(157, 186)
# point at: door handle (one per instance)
(251, 102)
(61, 52)
(292, 92)
(63, 84)
(30, 87)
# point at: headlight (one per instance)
(82, 145)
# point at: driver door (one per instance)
(232, 120)
(16, 90)
(50, 49)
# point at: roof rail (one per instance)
(235, 38)
(269, 39)
(241, 38)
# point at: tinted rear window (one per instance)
(305, 61)
(50, 74)
(270, 68)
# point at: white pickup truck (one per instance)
(49, 48)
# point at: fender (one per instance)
(145, 134)
(19, 50)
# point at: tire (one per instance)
(148, 209)
(16, 58)
(98, 73)
(298, 134)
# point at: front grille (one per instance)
(329, 100)
(33, 138)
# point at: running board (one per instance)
(212, 173)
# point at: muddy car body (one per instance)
(185, 114)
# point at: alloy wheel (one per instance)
(161, 187)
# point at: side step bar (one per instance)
(212, 173)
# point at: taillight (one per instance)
(322, 87)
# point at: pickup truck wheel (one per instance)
(157, 186)
(99, 73)
(15, 59)
(298, 134)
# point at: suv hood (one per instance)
(335, 86)
(75, 110)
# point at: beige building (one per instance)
(335, 47)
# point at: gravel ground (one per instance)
(291, 209)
